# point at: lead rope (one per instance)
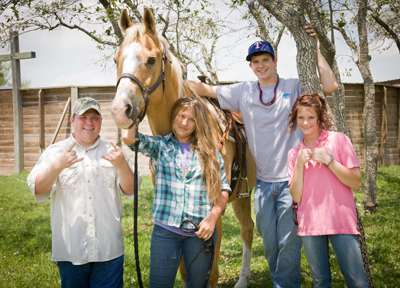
(135, 212)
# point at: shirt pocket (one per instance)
(167, 157)
(106, 173)
(69, 177)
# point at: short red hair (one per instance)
(310, 100)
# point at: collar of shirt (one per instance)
(91, 147)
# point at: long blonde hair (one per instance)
(202, 141)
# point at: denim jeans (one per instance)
(165, 255)
(108, 274)
(282, 245)
(348, 253)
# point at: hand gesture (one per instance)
(310, 30)
(68, 158)
(320, 155)
(207, 227)
(304, 156)
(115, 157)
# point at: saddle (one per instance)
(231, 123)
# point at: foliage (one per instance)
(4, 74)
(25, 239)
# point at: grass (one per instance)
(25, 239)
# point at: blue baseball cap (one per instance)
(260, 46)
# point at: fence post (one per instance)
(42, 131)
(398, 126)
(383, 128)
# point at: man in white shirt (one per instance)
(84, 175)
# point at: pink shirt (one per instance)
(327, 205)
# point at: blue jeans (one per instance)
(108, 274)
(165, 255)
(348, 253)
(282, 245)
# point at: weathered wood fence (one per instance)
(43, 108)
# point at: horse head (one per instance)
(142, 69)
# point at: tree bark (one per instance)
(328, 50)
(370, 139)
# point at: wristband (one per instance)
(327, 164)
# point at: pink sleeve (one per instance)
(347, 155)
(292, 156)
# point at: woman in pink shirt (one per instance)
(323, 169)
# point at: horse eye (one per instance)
(151, 60)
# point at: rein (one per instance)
(135, 212)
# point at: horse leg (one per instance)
(214, 275)
(214, 271)
(183, 272)
(242, 210)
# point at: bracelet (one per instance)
(327, 164)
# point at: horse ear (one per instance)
(149, 22)
(124, 20)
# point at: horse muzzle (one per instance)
(124, 112)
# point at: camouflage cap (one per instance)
(84, 104)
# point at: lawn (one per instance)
(25, 239)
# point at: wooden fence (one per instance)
(39, 126)
(43, 108)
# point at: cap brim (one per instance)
(82, 111)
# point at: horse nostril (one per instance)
(128, 111)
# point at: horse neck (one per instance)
(159, 113)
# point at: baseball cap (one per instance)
(84, 104)
(260, 46)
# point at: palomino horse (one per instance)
(142, 58)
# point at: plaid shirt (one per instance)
(177, 197)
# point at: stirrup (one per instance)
(245, 194)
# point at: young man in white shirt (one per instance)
(84, 176)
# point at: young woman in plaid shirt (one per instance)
(190, 184)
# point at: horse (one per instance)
(144, 60)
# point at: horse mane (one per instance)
(138, 29)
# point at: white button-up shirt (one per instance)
(86, 208)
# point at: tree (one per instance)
(194, 29)
(360, 51)
(321, 23)
(383, 22)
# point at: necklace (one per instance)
(273, 100)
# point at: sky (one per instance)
(67, 57)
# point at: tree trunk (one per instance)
(327, 48)
(370, 139)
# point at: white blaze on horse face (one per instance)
(124, 94)
(129, 65)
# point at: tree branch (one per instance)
(379, 20)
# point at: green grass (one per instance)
(25, 239)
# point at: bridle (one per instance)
(147, 91)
